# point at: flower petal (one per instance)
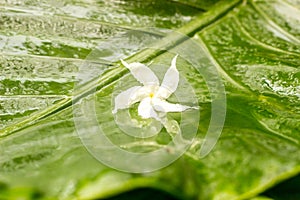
(142, 73)
(165, 107)
(127, 98)
(146, 110)
(170, 81)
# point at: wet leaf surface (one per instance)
(254, 45)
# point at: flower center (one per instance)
(151, 95)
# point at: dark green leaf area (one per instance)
(287, 190)
(143, 194)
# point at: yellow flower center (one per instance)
(151, 94)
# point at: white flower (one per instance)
(151, 95)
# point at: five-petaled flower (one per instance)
(151, 95)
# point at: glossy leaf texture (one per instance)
(254, 45)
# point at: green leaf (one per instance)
(254, 45)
